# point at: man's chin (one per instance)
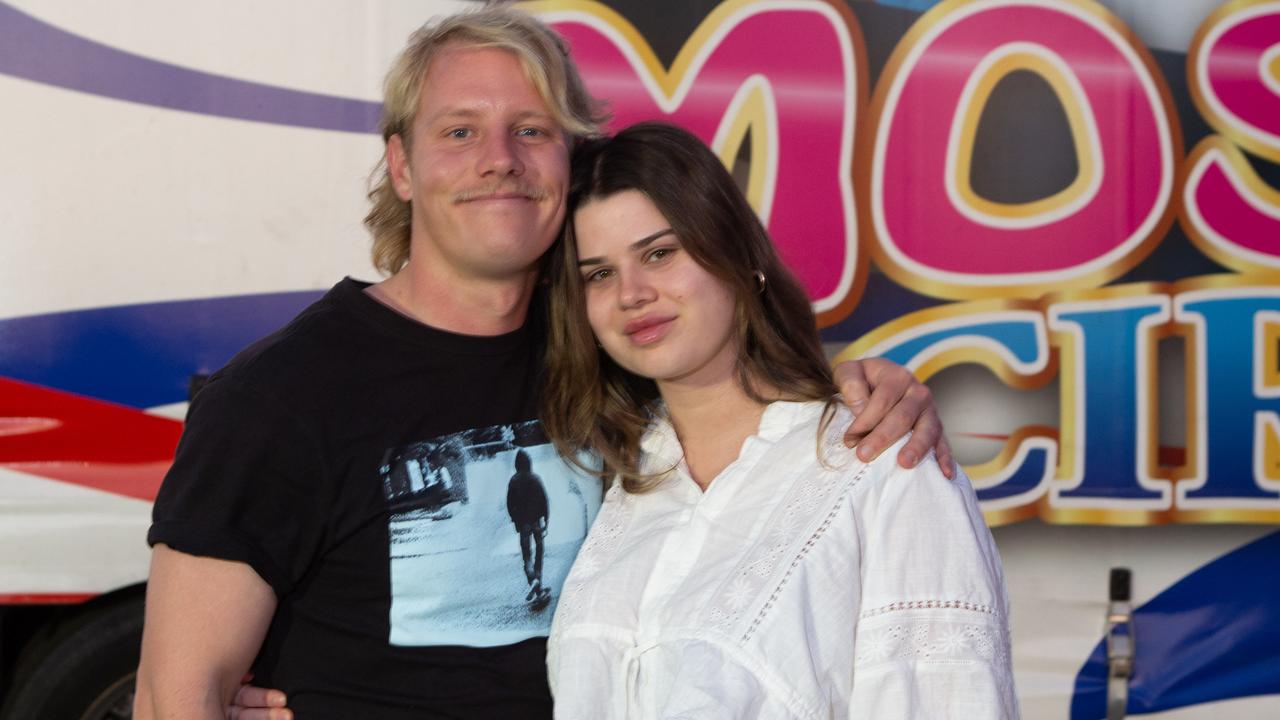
(519, 246)
(510, 262)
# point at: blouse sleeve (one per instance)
(932, 637)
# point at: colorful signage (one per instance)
(1018, 286)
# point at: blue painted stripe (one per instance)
(918, 5)
(37, 51)
(140, 355)
(1213, 635)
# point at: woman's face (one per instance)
(652, 307)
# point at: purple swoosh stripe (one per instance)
(37, 51)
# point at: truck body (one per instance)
(1063, 215)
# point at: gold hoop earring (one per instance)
(760, 281)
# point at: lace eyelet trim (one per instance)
(903, 605)
(932, 640)
(726, 613)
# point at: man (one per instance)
(527, 507)
(297, 532)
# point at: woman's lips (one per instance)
(648, 330)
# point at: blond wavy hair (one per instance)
(546, 62)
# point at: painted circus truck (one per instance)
(1063, 215)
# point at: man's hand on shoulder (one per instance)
(887, 402)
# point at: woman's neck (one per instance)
(712, 422)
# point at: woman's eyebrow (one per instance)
(637, 245)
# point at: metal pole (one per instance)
(1120, 644)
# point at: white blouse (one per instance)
(791, 588)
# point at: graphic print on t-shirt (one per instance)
(484, 526)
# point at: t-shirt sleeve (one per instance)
(247, 484)
(932, 638)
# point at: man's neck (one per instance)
(470, 306)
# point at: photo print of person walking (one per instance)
(453, 502)
(527, 506)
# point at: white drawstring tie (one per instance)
(630, 696)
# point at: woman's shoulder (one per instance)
(922, 491)
(817, 427)
(937, 522)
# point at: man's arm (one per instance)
(888, 401)
(205, 621)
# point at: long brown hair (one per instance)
(591, 403)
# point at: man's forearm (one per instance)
(174, 699)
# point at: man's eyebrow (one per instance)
(538, 114)
(465, 113)
(640, 244)
(450, 113)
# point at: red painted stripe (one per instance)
(984, 436)
(46, 598)
(1171, 456)
(80, 440)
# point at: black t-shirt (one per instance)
(359, 461)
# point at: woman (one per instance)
(745, 563)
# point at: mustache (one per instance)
(528, 190)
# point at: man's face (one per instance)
(486, 169)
